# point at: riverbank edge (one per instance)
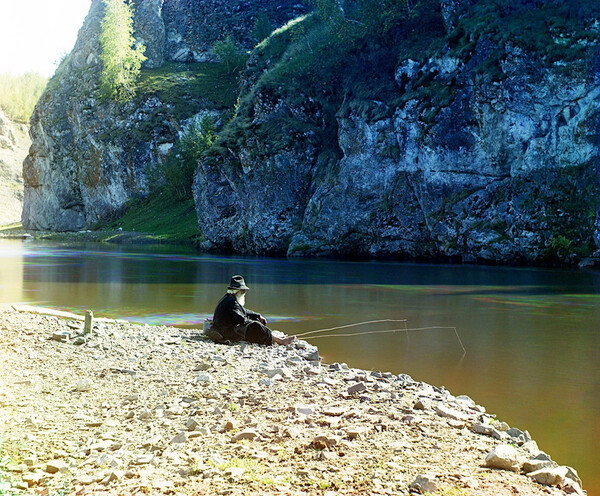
(118, 237)
(134, 238)
(513, 459)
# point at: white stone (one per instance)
(108, 460)
(444, 411)
(153, 441)
(113, 475)
(101, 445)
(550, 476)
(503, 457)
(143, 459)
(248, 434)
(424, 483)
(334, 411)
(484, 429)
(83, 385)
(235, 472)
(573, 475)
(465, 400)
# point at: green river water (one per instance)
(532, 336)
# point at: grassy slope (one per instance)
(152, 220)
(190, 88)
(163, 219)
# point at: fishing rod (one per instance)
(363, 333)
(318, 331)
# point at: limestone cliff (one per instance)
(455, 129)
(484, 153)
(89, 156)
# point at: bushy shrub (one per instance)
(234, 57)
(175, 176)
(19, 94)
(262, 27)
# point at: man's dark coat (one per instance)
(236, 323)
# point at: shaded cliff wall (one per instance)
(458, 158)
(440, 137)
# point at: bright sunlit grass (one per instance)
(8, 228)
(164, 219)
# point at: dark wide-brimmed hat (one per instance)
(237, 282)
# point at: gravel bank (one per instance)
(131, 409)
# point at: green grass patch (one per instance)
(17, 227)
(160, 218)
(553, 31)
(19, 94)
(190, 87)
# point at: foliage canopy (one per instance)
(19, 94)
(176, 174)
(232, 56)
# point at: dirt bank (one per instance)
(134, 409)
(14, 145)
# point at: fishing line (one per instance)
(363, 333)
(349, 325)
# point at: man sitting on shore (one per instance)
(235, 323)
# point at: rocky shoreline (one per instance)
(117, 237)
(131, 409)
(132, 238)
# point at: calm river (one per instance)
(532, 336)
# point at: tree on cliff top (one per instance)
(121, 56)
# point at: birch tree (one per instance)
(121, 56)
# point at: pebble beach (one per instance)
(122, 408)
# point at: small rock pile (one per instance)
(128, 409)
